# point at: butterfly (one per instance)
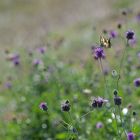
(105, 42)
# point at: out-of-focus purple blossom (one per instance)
(98, 53)
(113, 34)
(36, 62)
(43, 106)
(14, 58)
(130, 35)
(16, 62)
(98, 102)
(99, 125)
(137, 82)
(42, 50)
(130, 136)
(8, 85)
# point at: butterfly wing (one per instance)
(105, 42)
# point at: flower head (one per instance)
(117, 100)
(130, 136)
(43, 106)
(8, 85)
(98, 53)
(130, 35)
(113, 34)
(42, 50)
(137, 82)
(99, 125)
(98, 102)
(65, 106)
(36, 62)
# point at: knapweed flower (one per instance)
(117, 100)
(42, 50)
(65, 106)
(98, 102)
(16, 62)
(36, 62)
(98, 53)
(130, 136)
(130, 35)
(43, 106)
(137, 82)
(8, 85)
(113, 34)
(14, 58)
(99, 125)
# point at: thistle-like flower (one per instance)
(98, 53)
(130, 136)
(43, 106)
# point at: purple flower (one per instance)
(16, 62)
(137, 82)
(113, 34)
(65, 106)
(98, 53)
(8, 85)
(130, 34)
(99, 125)
(130, 136)
(42, 50)
(36, 62)
(117, 100)
(98, 102)
(43, 106)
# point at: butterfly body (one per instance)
(104, 42)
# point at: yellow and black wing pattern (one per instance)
(104, 42)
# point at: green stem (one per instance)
(105, 81)
(117, 123)
(123, 126)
